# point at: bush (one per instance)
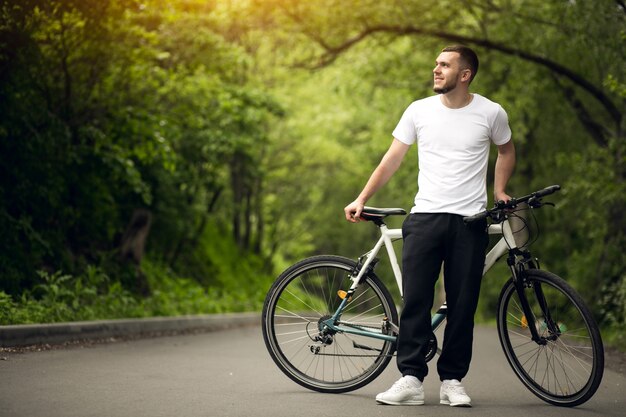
(95, 296)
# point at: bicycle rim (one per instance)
(566, 368)
(304, 295)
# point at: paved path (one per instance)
(229, 373)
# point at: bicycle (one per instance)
(331, 325)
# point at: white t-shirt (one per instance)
(453, 151)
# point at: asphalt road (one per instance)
(229, 373)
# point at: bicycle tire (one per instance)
(305, 294)
(567, 369)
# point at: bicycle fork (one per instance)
(518, 269)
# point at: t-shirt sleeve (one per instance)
(405, 130)
(500, 130)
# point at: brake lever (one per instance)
(537, 203)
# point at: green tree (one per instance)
(114, 108)
(557, 67)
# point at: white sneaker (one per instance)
(408, 390)
(453, 393)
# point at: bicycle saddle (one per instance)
(374, 213)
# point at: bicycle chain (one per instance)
(358, 326)
(355, 356)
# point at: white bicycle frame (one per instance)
(506, 243)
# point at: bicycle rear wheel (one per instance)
(566, 366)
(305, 295)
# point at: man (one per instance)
(453, 131)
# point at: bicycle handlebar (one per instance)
(500, 206)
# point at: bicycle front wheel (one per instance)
(565, 366)
(298, 303)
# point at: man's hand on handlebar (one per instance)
(502, 196)
(505, 202)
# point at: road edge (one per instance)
(60, 333)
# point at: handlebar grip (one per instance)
(475, 217)
(548, 190)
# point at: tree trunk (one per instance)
(134, 243)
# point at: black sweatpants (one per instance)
(431, 239)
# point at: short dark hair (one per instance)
(469, 58)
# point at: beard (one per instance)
(446, 88)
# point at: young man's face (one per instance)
(447, 72)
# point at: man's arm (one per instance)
(383, 172)
(505, 164)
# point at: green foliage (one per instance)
(102, 113)
(8, 309)
(208, 116)
(62, 297)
